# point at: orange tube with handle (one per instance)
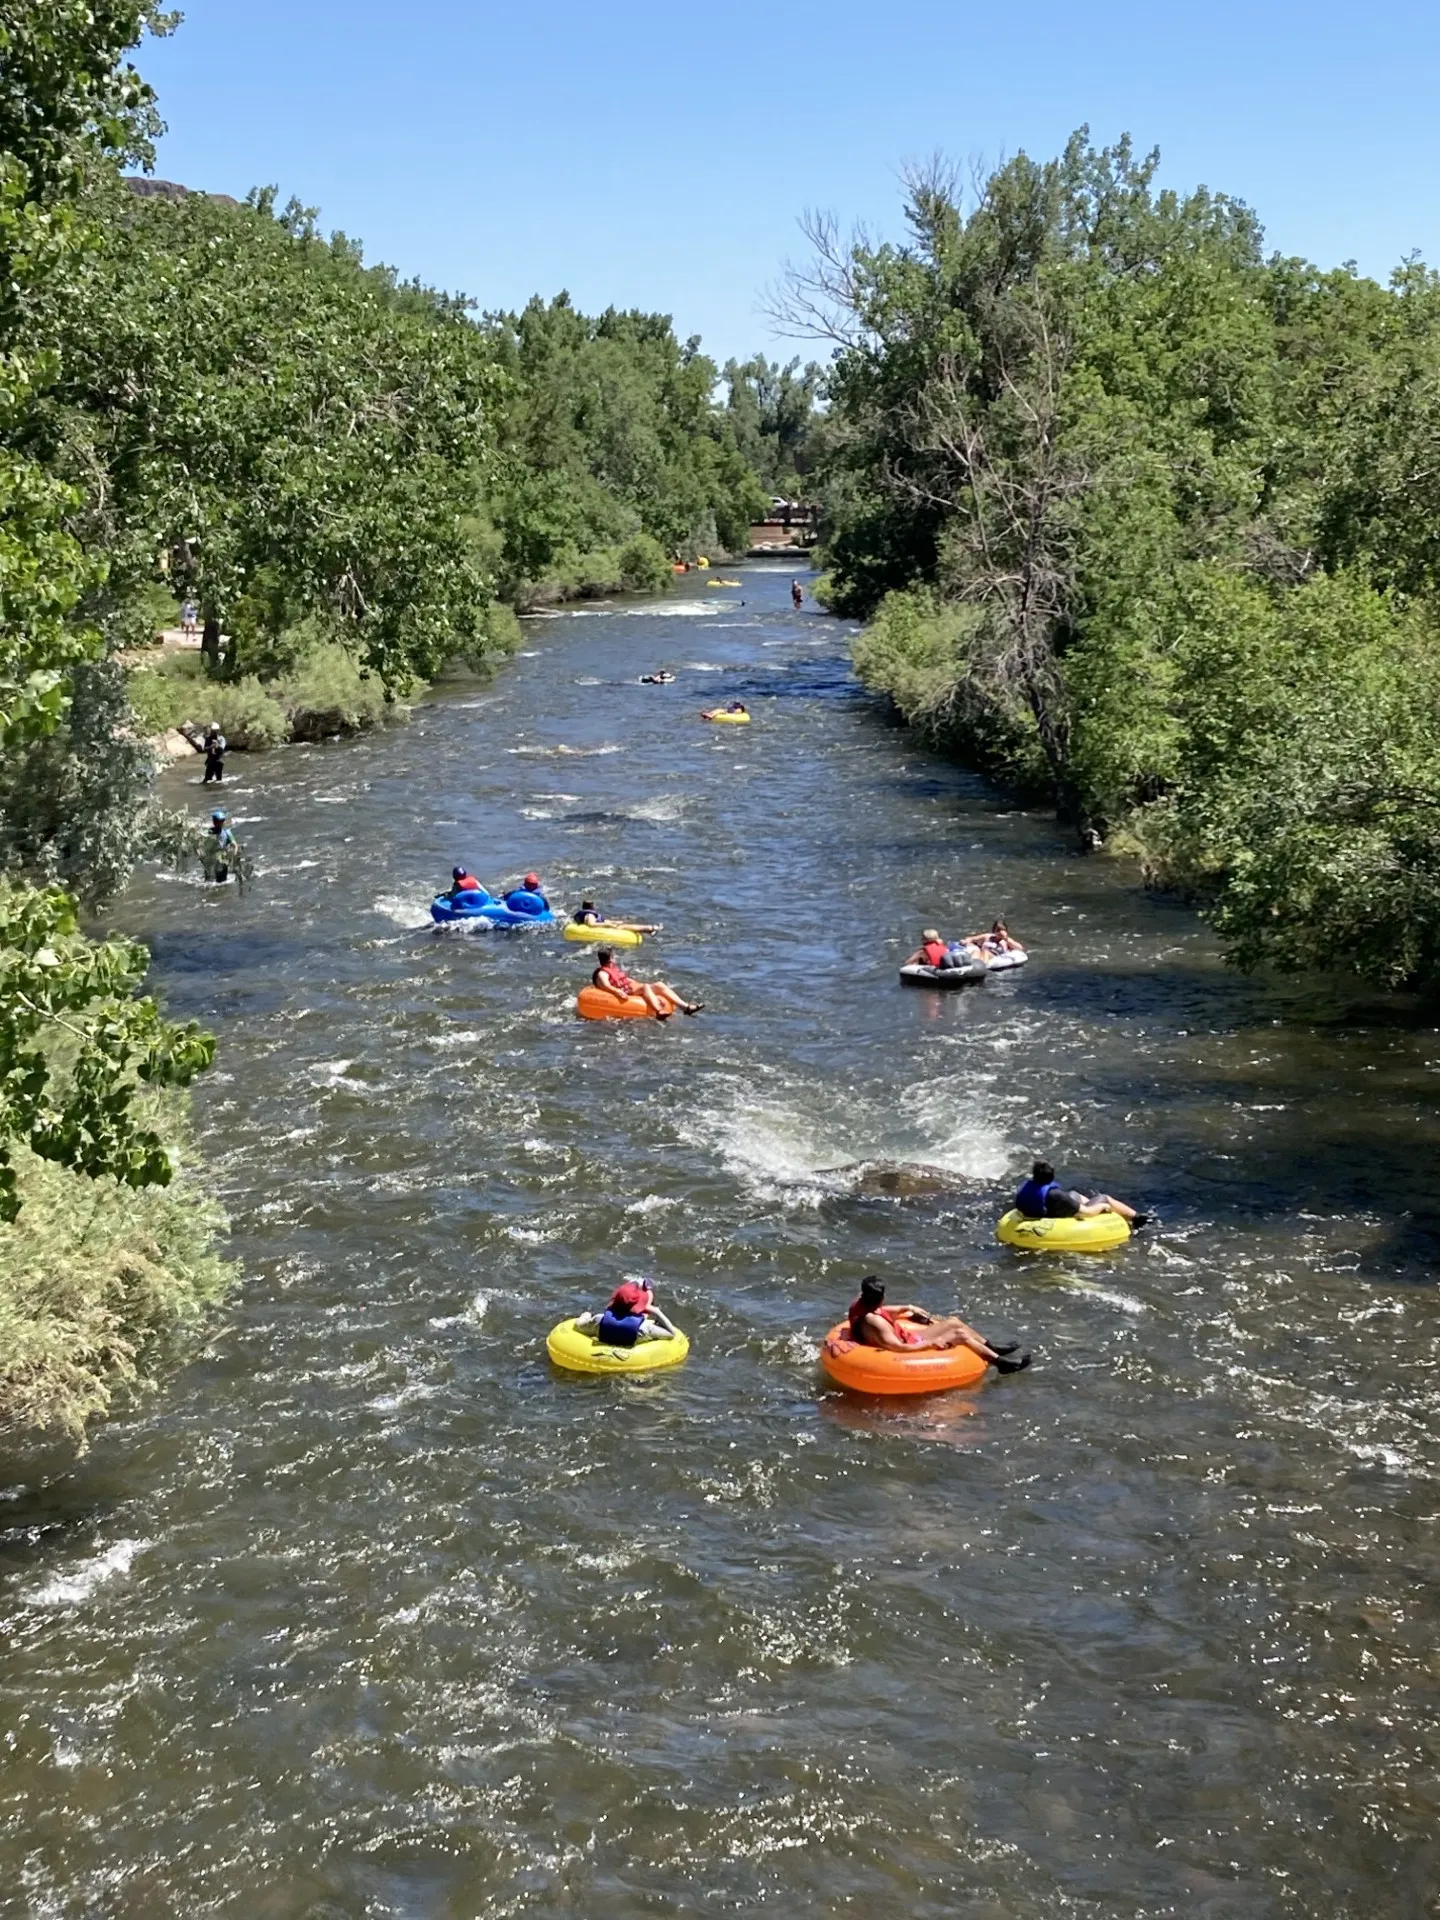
(884, 1370)
(595, 1003)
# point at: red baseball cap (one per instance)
(630, 1298)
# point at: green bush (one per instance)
(644, 565)
(247, 713)
(588, 575)
(328, 694)
(932, 659)
(99, 1286)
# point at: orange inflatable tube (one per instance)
(594, 1003)
(883, 1370)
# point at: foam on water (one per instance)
(72, 1589)
(800, 1136)
(411, 914)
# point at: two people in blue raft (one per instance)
(466, 899)
(1042, 1197)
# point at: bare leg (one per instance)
(949, 1330)
(1103, 1203)
(676, 1000)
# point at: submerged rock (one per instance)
(904, 1179)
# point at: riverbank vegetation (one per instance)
(1142, 519)
(357, 481)
(101, 1284)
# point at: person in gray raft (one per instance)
(933, 952)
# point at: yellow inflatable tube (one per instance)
(604, 936)
(727, 719)
(1096, 1233)
(577, 1349)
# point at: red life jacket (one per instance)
(934, 952)
(469, 884)
(612, 976)
(900, 1326)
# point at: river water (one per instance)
(370, 1612)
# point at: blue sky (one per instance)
(658, 156)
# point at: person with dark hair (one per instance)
(661, 999)
(901, 1329)
(1041, 1197)
(997, 940)
(631, 1315)
(462, 881)
(588, 915)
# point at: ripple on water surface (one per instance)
(370, 1611)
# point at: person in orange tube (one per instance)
(662, 1001)
(873, 1324)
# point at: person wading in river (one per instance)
(214, 748)
(223, 847)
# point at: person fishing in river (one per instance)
(214, 746)
(661, 999)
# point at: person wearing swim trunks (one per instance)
(661, 999)
(1041, 1197)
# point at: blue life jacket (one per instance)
(619, 1330)
(1031, 1198)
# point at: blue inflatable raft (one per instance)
(517, 909)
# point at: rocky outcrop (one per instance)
(174, 744)
(149, 189)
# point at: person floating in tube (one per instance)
(588, 915)
(997, 940)
(933, 952)
(530, 884)
(1041, 1197)
(661, 1000)
(462, 881)
(906, 1329)
(631, 1315)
